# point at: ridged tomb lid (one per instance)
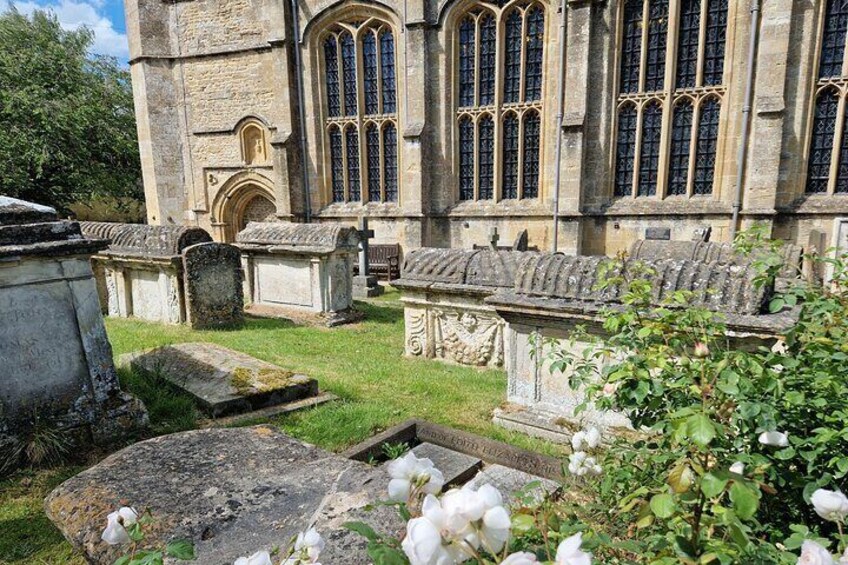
(144, 240)
(318, 237)
(28, 229)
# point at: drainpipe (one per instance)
(298, 73)
(746, 117)
(560, 109)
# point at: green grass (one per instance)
(363, 364)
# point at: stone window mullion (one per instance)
(497, 180)
(702, 41)
(668, 99)
(693, 148)
(637, 151)
(836, 151)
(378, 45)
(643, 53)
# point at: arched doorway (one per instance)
(246, 198)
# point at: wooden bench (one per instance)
(383, 259)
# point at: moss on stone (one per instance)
(247, 381)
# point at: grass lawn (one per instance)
(363, 364)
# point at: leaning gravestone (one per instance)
(56, 359)
(213, 285)
(222, 381)
(231, 492)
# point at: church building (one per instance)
(585, 122)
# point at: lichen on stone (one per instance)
(247, 381)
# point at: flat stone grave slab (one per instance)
(223, 381)
(457, 467)
(231, 492)
(512, 483)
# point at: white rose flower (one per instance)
(774, 439)
(568, 552)
(738, 468)
(844, 559)
(830, 505)
(410, 472)
(575, 463)
(814, 554)
(593, 437)
(307, 548)
(258, 558)
(494, 531)
(523, 558)
(577, 440)
(779, 347)
(117, 524)
(431, 539)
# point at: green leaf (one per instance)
(384, 555)
(745, 501)
(362, 529)
(122, 560)
(681, 478)
(523, 523)
(712, 486)
(662, 505)
(700, 429)
(180, 549)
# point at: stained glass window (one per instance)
(387, 67)
(467, 38)
(512, 65)
(681, 137)
(372, 147)
(352, 148)
(714, 42)
(657, 40)
(625, 150)
(833, 40)
(510, 156)
(821, 148)
(337, 164)
(390, 166)
(705, 155)
(488, 60)
(331, 67)
(369, 64)
(687, 43)
(349, 73)
(466, 159)
(535, 43)
(486, 157)
(531, 155)
(649, 157)
(631, 49)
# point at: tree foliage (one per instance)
(67, 127)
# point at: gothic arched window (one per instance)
(499, 100)
(359, 85)
(827, 157)
(687, 44)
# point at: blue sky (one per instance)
(104, 17)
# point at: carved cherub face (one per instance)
(468, 321)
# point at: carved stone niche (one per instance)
(444, 311)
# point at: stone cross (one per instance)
(494, 237)
(365, 234)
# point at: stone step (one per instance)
(457, 467)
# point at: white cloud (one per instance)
(73, 15)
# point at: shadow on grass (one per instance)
(27, 536)
(261, 323)
(380, 313)
(170, 410)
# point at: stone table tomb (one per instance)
(170, 274)
(56, 359)
(300, 268)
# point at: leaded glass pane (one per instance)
(466, 159)
(467, 35)
(387, 64)
(657, 39)
(631, 46)
(650, 154)
(486, 158)
(531, 155)
(705, 155)
(331, 67)
(349, 73)
(372, 148)
(390, 166)
(369, 66)
(535, 42)
(687, 43)
(821, 146)
(625, 149)
(681, 137)
(512, 63)
(352, 148)
(337, 164)
(488, 59)
(714, 42)
(833, 40)
(510, 156)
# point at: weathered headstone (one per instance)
(56, 359)
(223, 381)
(231, 492)
(213, 285)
